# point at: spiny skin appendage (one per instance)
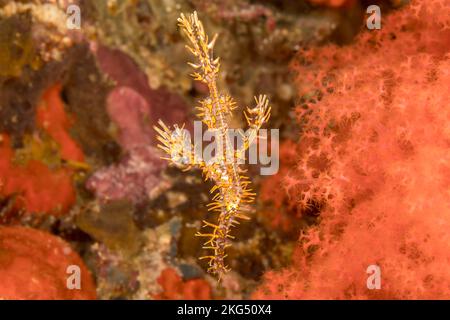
(231, 194)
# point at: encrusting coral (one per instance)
(39, 175)
(175, 288)
(232, 192)
(34, 265)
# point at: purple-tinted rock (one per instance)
(134, 107)
(131, 113)
(133, 178)
(164, 105)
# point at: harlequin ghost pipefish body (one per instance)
(231, 192)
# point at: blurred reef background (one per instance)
(79, 170)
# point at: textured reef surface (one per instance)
(363, 178)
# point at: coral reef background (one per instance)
(364, 153)
(373, 159)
